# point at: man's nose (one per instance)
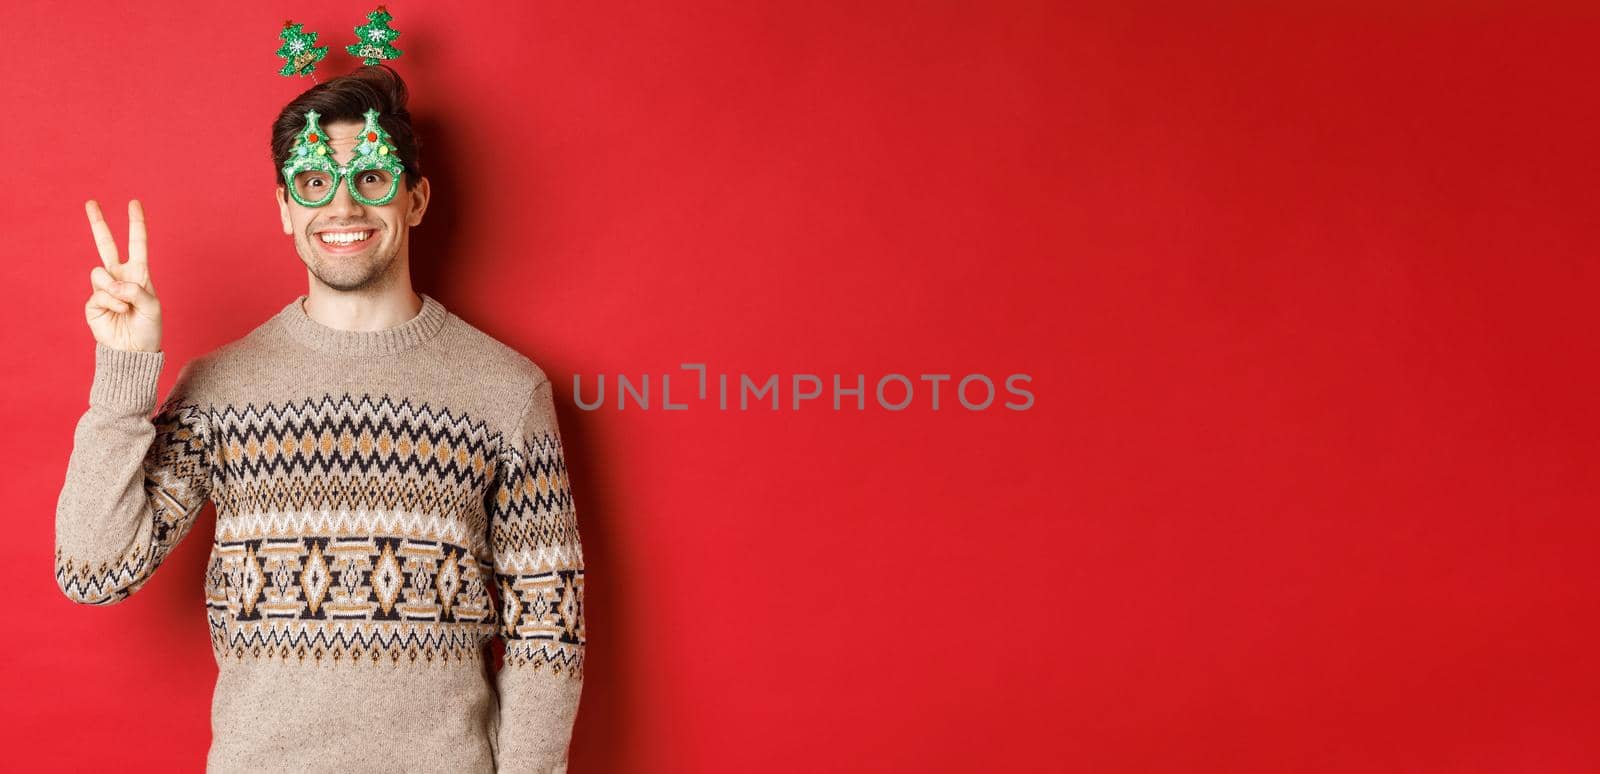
(343, 203)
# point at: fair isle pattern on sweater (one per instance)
(298, 569)
(354, 527)
(175, 473)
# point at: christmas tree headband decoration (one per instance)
(374, 43)
(374, 38)
(300, 51)
(310, 174)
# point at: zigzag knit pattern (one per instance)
(363, 528)
(176, 480)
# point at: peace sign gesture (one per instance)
(123, 312)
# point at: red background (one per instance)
(1307, 297)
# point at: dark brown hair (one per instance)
(346, 98)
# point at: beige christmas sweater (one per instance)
(387, 503)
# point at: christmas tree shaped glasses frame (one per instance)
(372, 175)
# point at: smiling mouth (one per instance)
(345, 238)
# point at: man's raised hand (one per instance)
(123, 312)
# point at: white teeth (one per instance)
(343, 238)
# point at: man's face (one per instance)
(381, 242)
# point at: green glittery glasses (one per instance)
(373, 176)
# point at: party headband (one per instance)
(374, 43)
(311, 176)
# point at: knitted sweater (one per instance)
(387, 503)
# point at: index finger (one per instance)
(137, 257)
(102, 237)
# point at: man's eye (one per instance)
(371, 177)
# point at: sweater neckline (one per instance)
(387, 341)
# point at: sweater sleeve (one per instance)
(538, 565)
(134, 482)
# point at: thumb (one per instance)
(132, 292)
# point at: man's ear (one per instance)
(418, 195)
(283, 210)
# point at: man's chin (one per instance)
(349, 271)
(345, 281)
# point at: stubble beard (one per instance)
(347, 273)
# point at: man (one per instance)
(389, 482)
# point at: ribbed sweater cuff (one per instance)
(125, 380)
